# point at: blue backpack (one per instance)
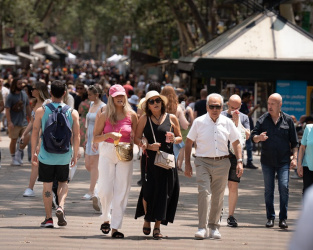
(57, 135)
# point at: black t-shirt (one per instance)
(244, 109)
(200, 107)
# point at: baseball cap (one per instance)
(116, 90)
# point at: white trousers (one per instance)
(114, 184)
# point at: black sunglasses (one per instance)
(158, 100)
(218, 107)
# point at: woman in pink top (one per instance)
(114, 175)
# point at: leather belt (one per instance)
(218, 157)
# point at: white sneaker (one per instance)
(201, 234)
(15, 162)
(19, 156)
(215, 234)
(87, 197)
(29, 193)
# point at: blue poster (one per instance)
(294, 97)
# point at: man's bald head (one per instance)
(235, 98)
(274, 104)
(276, 98)
(234, 103)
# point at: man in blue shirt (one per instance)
(276, 130)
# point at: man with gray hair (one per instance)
(212, 132)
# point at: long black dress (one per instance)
(160, 187)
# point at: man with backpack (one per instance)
(58, 149)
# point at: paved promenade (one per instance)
(20, 217)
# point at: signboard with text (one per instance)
(294, 97)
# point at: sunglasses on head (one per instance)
(158, 100)
(218, 107)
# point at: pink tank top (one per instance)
(124, 125)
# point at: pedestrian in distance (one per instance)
(116, 124)
(305, 157)
(174, 108)
(200, 106)
(91, 152)
(159, 193)
(17, 110)
(41, 96)
(59, 125)
(277, 134)
(246, 100)
(212, 132)
(241, 121)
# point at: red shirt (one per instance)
(127, 88)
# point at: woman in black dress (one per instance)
(160, 187)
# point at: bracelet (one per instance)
(239, 160)
(174, 141)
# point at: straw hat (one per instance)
(151, 94)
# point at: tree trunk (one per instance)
(184, 34)
(48, 11)
(198, 19)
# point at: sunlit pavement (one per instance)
(20, 217)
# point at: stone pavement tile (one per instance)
(20, 217)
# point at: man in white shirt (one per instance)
(212, 132)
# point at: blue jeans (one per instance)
(249, 147)
(283, 187)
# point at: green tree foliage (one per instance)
(157, 27)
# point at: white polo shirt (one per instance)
(212, 137)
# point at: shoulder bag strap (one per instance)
(152, 129)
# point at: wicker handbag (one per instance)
(163, 159)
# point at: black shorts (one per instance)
(49, 173)
(232, 176)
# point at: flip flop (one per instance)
(118, 235)
(105, 228)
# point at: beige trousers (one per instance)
(212, 176)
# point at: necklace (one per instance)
(158, 119)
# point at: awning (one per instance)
(27, 56)
(36, 54)
(7, 62)
(185, 66)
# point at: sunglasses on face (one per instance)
(217, 107)
(158, 100)
(79, 88)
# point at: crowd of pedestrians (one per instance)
(107, 114)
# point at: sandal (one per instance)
(105, 228)
(146, 230)
(118, 235)
(157, 235)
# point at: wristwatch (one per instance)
(239, 160)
